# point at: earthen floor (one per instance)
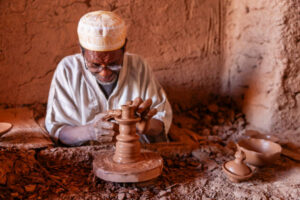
(191, 170)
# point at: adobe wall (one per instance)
(261, 61)
(245, 49)
(180, 39)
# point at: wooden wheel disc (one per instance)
(148, 167)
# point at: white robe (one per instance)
(75, 96)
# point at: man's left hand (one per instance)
(143, 109)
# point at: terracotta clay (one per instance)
(258, 135)
(259, 152)
(127, 163)
(236, 170)
(291, 154)
(128, 146)
(4, 127)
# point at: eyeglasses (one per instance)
(98, 68)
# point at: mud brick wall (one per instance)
(262, 61)
(181, 40)
(248, 50)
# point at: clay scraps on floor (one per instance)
(204, 139)
(65, 173)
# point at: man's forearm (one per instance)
(155, 133)
(156, 127)
(75, 135)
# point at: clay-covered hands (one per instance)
(100, 129)
(142, 108)
(103, 130)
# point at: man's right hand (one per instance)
(100, 129)
(103, 130)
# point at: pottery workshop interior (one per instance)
(230, 72)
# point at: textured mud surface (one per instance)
(261, 67)
(192, 166)
(65, 173)
(181, 40)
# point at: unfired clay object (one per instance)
(259, 152)
(127, 163)
(258, 135)
(4, 127)
(291, 154)
(236, 170)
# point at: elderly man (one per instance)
(86, 86)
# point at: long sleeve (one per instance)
(141, 82)
(154, 90)
(62, 108)
(75, 97)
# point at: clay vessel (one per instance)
(128, 147)
(259, 152)
(236, 170)
(258, 135)
(127, 164)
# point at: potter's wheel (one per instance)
(148, 167)
(127, 164)
(4, 127)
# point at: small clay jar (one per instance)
(236, 170)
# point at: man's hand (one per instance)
(142, 108)
(103, 130)
(100, 129)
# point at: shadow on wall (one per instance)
(251, 81)
(243, 74)
(193, 81)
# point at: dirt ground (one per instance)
(192, 168)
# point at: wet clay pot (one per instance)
(129, 163)
(259, 152)
(236, 170)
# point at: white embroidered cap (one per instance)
(101, 31)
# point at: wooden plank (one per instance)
(26, 133)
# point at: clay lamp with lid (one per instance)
(236, 170)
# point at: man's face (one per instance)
(105, 66)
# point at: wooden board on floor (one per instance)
(25, 133)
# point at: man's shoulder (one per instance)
(133, 57)
(72, 62)
(135, 62)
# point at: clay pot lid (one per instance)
(237, 166)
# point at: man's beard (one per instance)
(107, 83)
